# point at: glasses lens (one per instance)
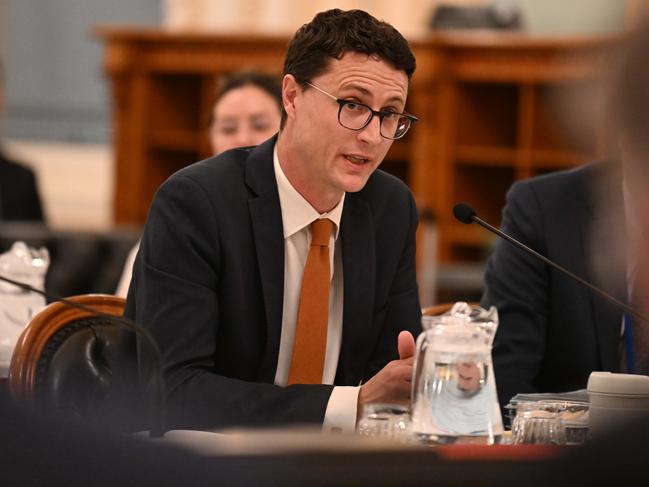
(395, 127)
(389, 124)
(354, 115)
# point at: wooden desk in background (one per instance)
(484, 101)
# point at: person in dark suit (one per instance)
(554, 332)
(279, 280)
(19, 197)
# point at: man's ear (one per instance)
(290, 89)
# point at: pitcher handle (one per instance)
(422, 344)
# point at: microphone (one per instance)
(156, 406)
(466, 214)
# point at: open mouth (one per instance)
(358, 160)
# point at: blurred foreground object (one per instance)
(615, 400)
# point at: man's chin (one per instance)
(354, 184)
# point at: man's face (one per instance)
(338, 159)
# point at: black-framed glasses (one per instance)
(356, 116)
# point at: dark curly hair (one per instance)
(260, 79)
(333, 33)
(267, 82)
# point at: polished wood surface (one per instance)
(436, 309)
(45, 324)
(484, 101)
(297, 440)
(441, 308)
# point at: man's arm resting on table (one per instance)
(390, 385)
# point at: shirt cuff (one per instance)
(340, 416)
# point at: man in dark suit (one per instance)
(554, 332)
(229, 277)
(592, 220)
(19, 198)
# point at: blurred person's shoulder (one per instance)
(227, 164)
(570, 185)
(10, 166)
(225, 173)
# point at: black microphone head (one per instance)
(464, 212)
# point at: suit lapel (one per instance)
(266, 218)
(603, 236)
(359, 271)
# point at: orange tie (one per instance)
(307, 363)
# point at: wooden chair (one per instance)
(60, 359)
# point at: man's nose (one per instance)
(245, 137)
(371, 134)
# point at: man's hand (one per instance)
(392, 383)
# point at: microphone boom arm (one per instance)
(513, 241)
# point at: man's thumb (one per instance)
(406, 345)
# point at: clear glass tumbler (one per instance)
(385, 420)
(538, 427)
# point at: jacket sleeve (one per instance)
(33, 209)
(518, 285)
(402, 310)
(175, 294)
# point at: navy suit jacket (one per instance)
(208, 283)
(553, 331)
(19, 199)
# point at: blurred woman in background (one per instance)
(246, 112)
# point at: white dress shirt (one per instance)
(297, 216)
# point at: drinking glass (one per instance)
(385, 420)
(538, 427)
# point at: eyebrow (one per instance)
(365, 91)
(234, 118)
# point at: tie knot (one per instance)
(321, 231)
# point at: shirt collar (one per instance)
(297, 212)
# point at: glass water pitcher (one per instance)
(454, 396)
